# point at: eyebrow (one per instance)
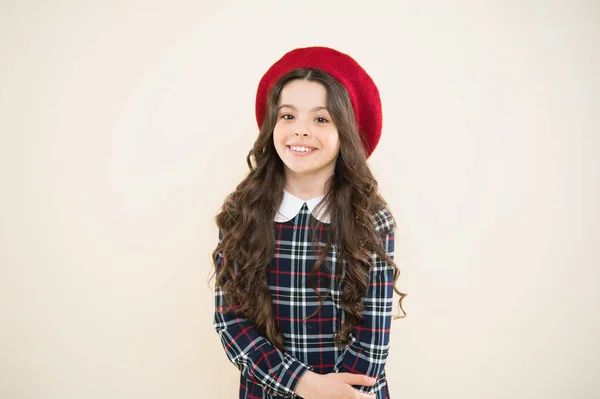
(317, 108)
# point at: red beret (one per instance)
(363, 92)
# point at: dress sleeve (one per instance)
(257, 358)
(369, 344)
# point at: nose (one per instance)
(301, 131)
(302, 128)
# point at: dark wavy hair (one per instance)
(247, 241)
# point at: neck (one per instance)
(306, 187)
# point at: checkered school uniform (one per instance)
(267, 372)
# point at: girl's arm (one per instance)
(256, 357)
(369, 346)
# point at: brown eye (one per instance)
(283, 116)
(322, 120)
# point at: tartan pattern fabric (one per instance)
(267, 372)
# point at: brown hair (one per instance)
(245, 220)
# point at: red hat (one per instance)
(363, 92)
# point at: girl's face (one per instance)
(305, 136)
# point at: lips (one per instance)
(301, 150)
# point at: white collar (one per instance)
(291, 205)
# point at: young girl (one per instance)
(304, 261)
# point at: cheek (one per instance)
(333, 143)
(277, 135)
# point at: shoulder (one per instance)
(384, 221)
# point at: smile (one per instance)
(301, 150)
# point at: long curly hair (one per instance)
(247, 241)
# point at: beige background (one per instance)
(125, 123)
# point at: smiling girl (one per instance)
(304, 261)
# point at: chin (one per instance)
(300, 169)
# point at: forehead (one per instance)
(303, 93)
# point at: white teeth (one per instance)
(300, 149)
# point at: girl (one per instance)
(304, 261)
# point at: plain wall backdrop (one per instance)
(124, 124)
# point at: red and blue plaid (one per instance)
(267, 372)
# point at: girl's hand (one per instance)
(333, 386)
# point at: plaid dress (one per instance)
(267, 372)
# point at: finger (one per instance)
(357, 379)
